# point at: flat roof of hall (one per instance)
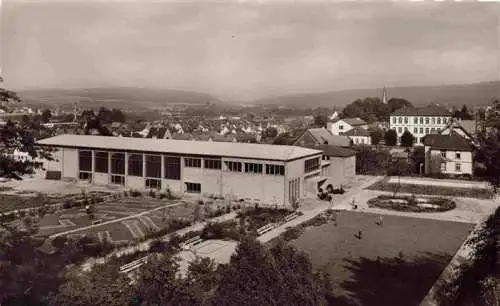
(181, 147)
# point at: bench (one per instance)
(264, 229)
(133, 265)
(188, 244)
(291, 216)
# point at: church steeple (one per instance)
(384, 96)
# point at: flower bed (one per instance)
(412, 204)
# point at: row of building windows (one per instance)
(458, 155)
(311, 165)
(420, 120)
(420, 130)
(255, 168)
(152, 164)
(136, 163)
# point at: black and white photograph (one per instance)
(249, 152)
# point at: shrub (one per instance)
(68, 204)
(135, 193)
(292, 233)
(152, 193)
(200, 202)
(228, 209)
(158, 246)
(221, 230)
(21, 213)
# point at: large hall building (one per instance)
(270, 174)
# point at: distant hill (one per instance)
(120, 97)
(471, 94)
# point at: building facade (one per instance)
(448, 154)
(419, 121)
(339, 126)
(359, 136)
(270, 174)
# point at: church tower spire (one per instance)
(384, 96)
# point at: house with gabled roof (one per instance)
(448, 154)
(338, 126)
(358, 136)
(321, 136)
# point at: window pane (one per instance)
(172, 167)
(135, 164)
(153, 166)
(85, 160)
(118, 163)
(101, 162)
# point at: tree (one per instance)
(320, 120)
(407, 139)
(391, 138)
(372, 161)
(376, 136)
(19, 135)
(488, 153)
(464, 113)
(270, 132)
(46, 115)
(418, 159)
(159, 283)
(117, 115)
(104, 285)
(397, 103)
(105, 115)
(259, 276)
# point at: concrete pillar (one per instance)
(126, 168)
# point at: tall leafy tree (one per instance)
(407, 139)
(19, 135)
(259, 276)
(104, 285)
(46, 115)
(488, 153)
(391, 138)
(376, 136)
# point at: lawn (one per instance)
(9, 202)
(477, 193)
(395, 263)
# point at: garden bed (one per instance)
(384, 185)
(412, 204)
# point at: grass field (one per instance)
(392, 264)
(477, 193)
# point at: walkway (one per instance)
(439, 182)
(468, 210)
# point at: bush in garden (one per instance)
(21, 213)
(135, 193)
(158, 246)
(292, 233)
(68, 204)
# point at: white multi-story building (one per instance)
(270, 174)
(419, 121)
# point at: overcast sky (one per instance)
(249, 49)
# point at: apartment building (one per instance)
(419, 121)
(270, 174)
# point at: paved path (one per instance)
(439, 182)
(468, 210)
